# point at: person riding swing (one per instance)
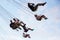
(16, 24)
(26, 35)
(34, 7)
(39, 17)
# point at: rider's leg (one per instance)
(24, 27)
(30, 29)
(17, 29)
(26, 35)
(43, 16)
(41, 4)
(36, 7)
(20, 28)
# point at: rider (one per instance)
(18, 23)
(23, 25)
(15, 24)
(26, 35)
(39, 17)
(34, 7)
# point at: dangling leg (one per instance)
(29, 36)
(43, 16)
(20, 28)
(24, 27)
(26, 35)
(41, 4)
(17, 29)
(36, 7)
(25, 30)
(30, 29)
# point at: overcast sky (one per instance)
(43, 30)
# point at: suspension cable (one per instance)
(24, 6)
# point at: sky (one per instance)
(43, 30)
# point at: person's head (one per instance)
(17, 19)
(35, 15)
(11, 21)
(23, 33)
(14, 19)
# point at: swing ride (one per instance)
(16, 23)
